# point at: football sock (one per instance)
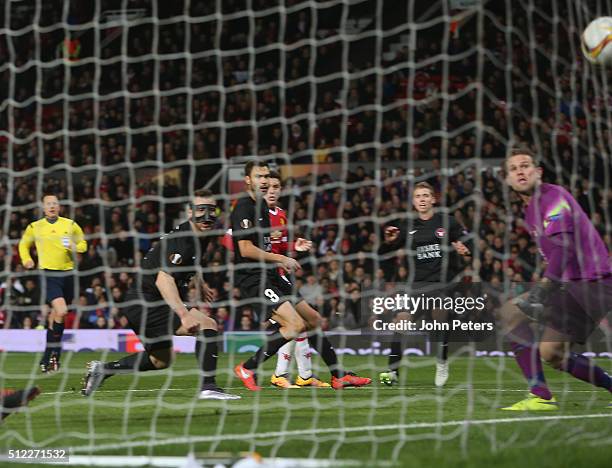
(136, 362)
(303, 356)
(443, 346)
(283, 358)
(207, 350)
(58, 330)
(274, 342)
(49, 347)
(54, 342)
(320, 342)
(583, 368)
(395, 357)
(527, 356)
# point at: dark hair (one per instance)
(203, 193)
(248, 168)
(425, 185)
(276, 175)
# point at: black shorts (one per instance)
(152, 320)
(578, 307)
(430, 296)
(267, 296)
(59, 284)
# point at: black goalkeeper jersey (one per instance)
(178, 253)
(250, 220)
(428, 246)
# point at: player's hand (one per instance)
(391, 234)
(207, 293)
(289, 264)
(29, 264)
(533, 304)
(460, 248)
(190, 322)
(302, 245)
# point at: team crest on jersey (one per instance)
(440, 233)
(246, 223)
(176, 259)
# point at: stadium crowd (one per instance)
(105, 156)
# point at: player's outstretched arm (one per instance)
(302, 245)
(393, 238)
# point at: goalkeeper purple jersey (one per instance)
(553, 216)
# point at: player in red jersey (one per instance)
(280, 245)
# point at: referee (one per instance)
(56, 239)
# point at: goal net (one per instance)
(125, 108)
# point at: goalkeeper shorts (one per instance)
(578, 307)
(154, 324)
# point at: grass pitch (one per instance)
(413, 424)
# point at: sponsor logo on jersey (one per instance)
(440, 232)
(428, 251)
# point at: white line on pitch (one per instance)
(522, 390)
(122, 391)
(336, 430)
(178, 462)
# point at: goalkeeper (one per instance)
(157, 310)
(573, 296)
(427, 242)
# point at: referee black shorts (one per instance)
(152, 320)
(270, 294)
(58, 283)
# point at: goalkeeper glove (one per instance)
(533, 305)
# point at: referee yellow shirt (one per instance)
(54, 243)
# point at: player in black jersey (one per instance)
(157, 309)
(256, 274)
(429, 241)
